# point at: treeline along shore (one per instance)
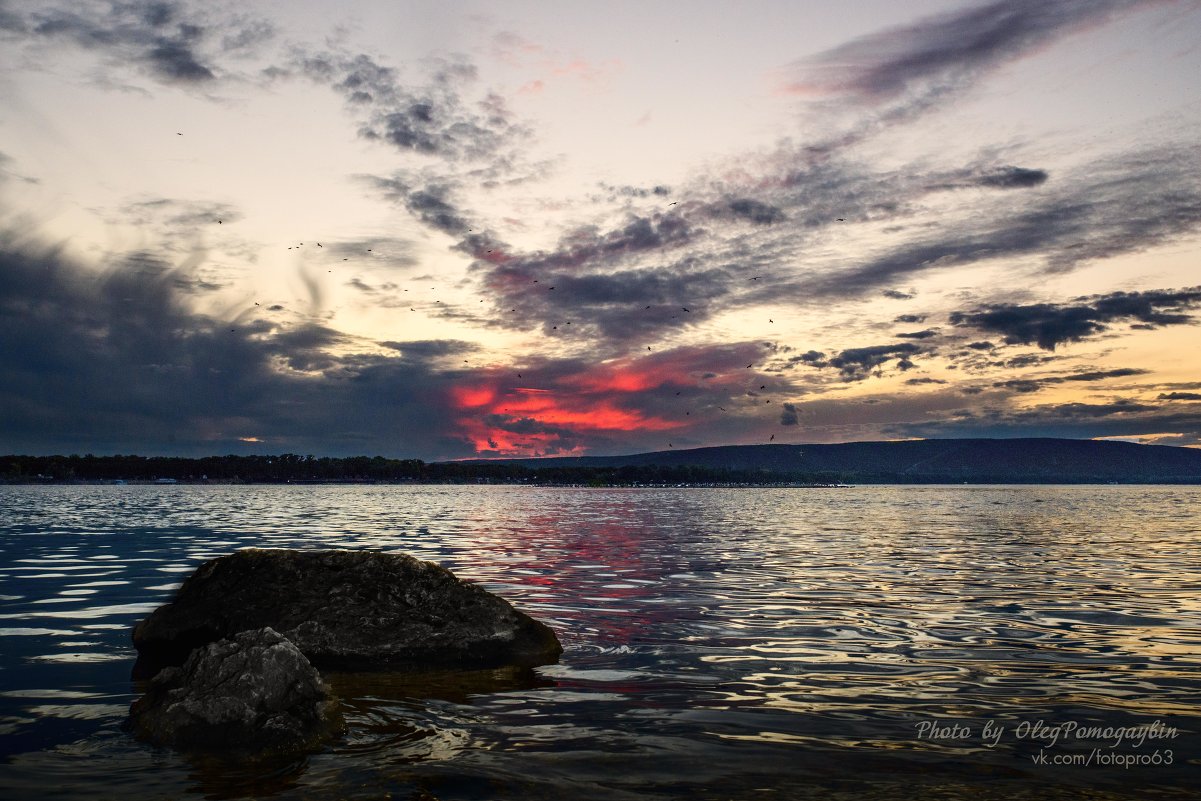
(293, 469)
(950, 461)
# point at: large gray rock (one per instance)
(252, 695)
(345, 610)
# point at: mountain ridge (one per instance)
(1036, 458)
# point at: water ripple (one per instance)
(719, 643)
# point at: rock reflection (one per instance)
(216, 778)
(457, 686)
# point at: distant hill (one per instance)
(1042, 460)
(932, 461)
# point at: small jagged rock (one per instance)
(345, 610)
(254, 694)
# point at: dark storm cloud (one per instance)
(1185, 396)
(1049, 324)
(924, 334)
(173, 42)
(115, 361)
(789, 417)
(946, 52)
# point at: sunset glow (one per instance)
(489, 230)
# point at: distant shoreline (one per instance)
(904, 462)
(602, 485)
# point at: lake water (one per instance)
(870, 642)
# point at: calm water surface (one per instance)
(872, 642)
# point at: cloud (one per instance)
(431, 119)
(172, 42)
(558, 405)
(1049, 325)
(1126, 203)
(585, 279)
(1120, 418)
(1035, 384)
(117, 361)
(1186, 396)
(756, 211)
(856, 364)
(788, 417)
(1012, 178)
(998, 177)
(946, 52)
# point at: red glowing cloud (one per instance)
(471, 397)
(568, 404)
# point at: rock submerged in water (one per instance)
(344, 610)
(253, 694)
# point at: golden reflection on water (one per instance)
(721, 639)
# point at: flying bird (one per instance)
(773, 436)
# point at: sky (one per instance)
(445, 230)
